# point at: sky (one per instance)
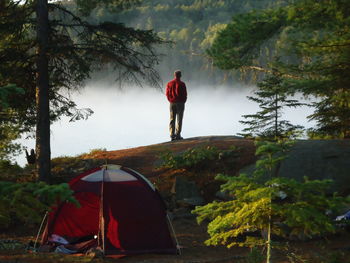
(136, 116)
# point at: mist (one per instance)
(137, 116)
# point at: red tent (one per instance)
(120, 212)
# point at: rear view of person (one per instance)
(177, 95)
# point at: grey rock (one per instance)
(186, 192)
(192, 201)
(223, 196)
(181, 213)
(320, 159)
(317, 159)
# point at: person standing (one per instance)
(177, 95)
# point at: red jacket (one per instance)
(176, 91)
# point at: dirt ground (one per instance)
(191, 237)
(189, 234)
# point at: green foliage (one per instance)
(197, 158)
(255, 256)
(66, 167)
(26, 203)
(85, 7)
(334, 257)
(272, 97)
(240, 42)
(264, 200)
(191, 24)
(9, 131)
(7, 91)
(190, 158)
(97, 151)
(76, 49)
(6, 244)
(8, 169)
(312, 40)
(332, 117)
(210, 35)
(324, 51)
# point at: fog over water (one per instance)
(139, 116)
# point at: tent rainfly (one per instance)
(120, 213)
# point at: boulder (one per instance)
(223, 196)
(320, 159)
(186, 192)
(317, 159)
(181, 213)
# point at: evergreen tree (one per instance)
(312, 39)
(66, 51)
(9, 131)
(272, 98)
(43, 147)
(265, 205)
(26, 203)
(202, 19)
(332, 116)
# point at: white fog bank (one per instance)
(139, 116)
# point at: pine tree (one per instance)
(66, 51)
(272, 98)
(43, 147)
(26, 203)
(9, 131)
(312, 39)
(265, 205)
(332, 115)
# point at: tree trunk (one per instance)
(276, 117)
(43, 151)
(268, 251)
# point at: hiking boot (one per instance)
(173, 138)
(178, 137)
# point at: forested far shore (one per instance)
(189, 25)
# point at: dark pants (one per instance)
(176, 114)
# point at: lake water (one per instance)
(139, 116)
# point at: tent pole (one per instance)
(101, 217)
(41, 225)
(172, 229)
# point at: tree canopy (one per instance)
(192, 25)
(268, 121)
(87, 36)
(309, 42)
(75, 48)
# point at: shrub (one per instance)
(26, 203)
(8, 169)
(200, 158)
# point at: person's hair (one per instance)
(177, 73)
